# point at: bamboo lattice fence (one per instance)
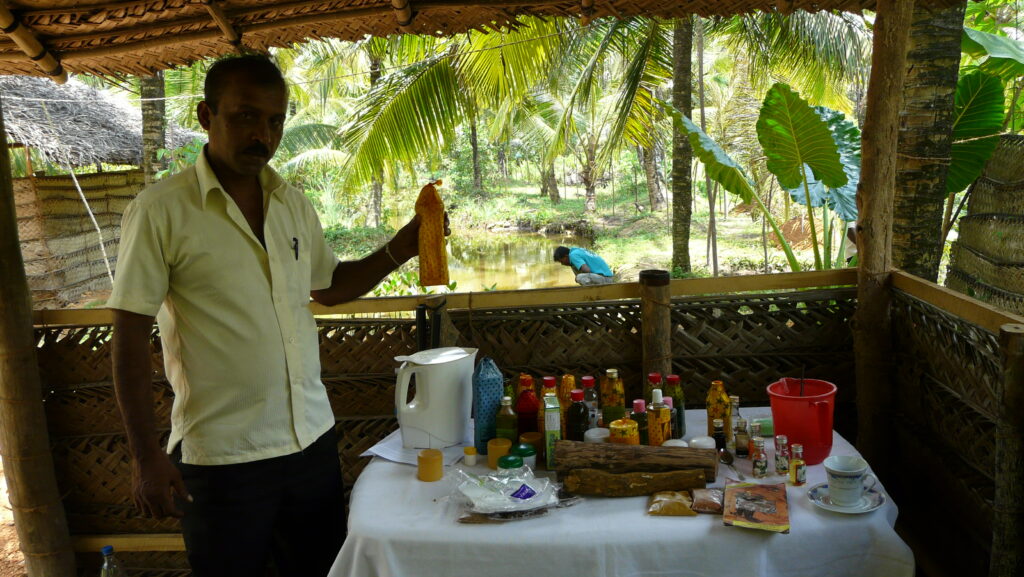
(946, 357)
(748, 340)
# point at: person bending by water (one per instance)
(589, 268)
(225, 255)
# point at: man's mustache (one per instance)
(257, 149)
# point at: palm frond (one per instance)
(409, 115)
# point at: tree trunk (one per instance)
(549, 184)
(589, 175)
(682, 153)
(376, 215)
(712, 232)
(151, 90)
(478, 182)
(654, 194)
(925, 139)
(871, 324)
(28, 464)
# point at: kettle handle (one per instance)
(405, 372)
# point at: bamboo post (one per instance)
(1007, 558)
(871, 323)
(656, 321)
(24, 443)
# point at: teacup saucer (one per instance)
(872, 499)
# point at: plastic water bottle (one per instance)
(111, 568)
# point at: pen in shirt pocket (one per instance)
(295, 247)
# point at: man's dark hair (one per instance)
(256, 68)
(561, 252)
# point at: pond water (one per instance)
(508, 261)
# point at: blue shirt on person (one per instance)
(581, 256)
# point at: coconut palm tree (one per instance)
(926, 138)
(682, 153)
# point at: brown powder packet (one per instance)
(708, 501)
(670, 503)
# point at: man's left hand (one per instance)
(406, 242)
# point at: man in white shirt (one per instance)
(225, 255)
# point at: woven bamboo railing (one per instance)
(748, 331)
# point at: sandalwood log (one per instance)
(633, 458)
(597, 482)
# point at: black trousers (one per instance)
(290, 507)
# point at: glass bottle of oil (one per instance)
(718, 407)
(506, 421)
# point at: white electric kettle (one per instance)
(438, 416)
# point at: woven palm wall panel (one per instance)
(987, 259)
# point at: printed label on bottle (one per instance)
(801, 474)
(781, 464)
(760, 468)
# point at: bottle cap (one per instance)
(741, 423)
(588, 381)
(523, 450)
(654, 377)
(107, 550)
(469, 450)
(796, 448)
(718, 423)
(577, 395)
(612, 373)
(639, 406)
(549, 383)
(734, 399)
(668, 402)
(672, 379)
(759, 442)
(506, 400)
(781, 439)
(525, 379)
(510, 462)
(656, 398)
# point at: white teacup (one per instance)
(847, 479)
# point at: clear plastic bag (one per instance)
(502, 492)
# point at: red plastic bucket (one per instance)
(807, 418)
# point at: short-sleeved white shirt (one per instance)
(239, 341)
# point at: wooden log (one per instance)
(871, 323)
(24, 443)
(1007, 557)
(616, 458)
(605, 484)
(656, 321)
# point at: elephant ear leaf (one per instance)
(793, 135)
(843, 200)
(977, 122)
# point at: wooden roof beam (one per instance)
(403, 14)
(218, 15)
(586, 12)
(30, 45)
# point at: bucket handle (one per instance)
(405, 372)
(822, 409)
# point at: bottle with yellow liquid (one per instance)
(718, 406)
(613, 397)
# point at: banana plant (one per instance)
(726, 172)
(799, 149)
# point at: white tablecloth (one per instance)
(402, 527)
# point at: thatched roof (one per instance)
(76, 124)
(142, 36)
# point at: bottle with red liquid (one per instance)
(527, 405)
(577, 417)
